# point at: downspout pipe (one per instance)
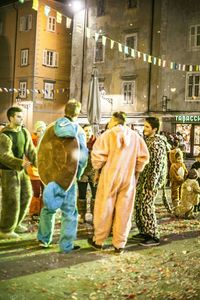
(151, 50)
(15, 50)
(83, 52)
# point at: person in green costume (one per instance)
(17, 152)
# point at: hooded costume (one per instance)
(177, 174)
(189, 195)
(151, 179)
(16, 185)
(119, 153)
(55, 196)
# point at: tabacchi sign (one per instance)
(191, 119)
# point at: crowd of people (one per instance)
(123, 170)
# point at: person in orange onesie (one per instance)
(119, 154)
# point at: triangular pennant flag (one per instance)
(183, 67)
(1, 90)
(96, 36)
(138, 54)
(120, 47)
(171, 65)
(197, 68)
(164, 63)
(57, 91)
(47, 10)
(104, 40)
(10, 90)
(154, 60)
(21, 1)
(190, 68)
(5, 89)
(149, 59)
(179, 67)
(58, 17)
(144, 57)
(35, 5)
(111, 44)
(133, 53)
(15, 90)
(68, 22)
(126, 50)
(159, 62)
(87, 32)
(39, 92)
(28, 92)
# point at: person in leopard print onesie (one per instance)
(151, 179)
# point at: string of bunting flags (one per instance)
(121, 47)
(36, 91)
(136, 54)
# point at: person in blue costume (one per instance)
(55, 196)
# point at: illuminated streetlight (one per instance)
(76, 5)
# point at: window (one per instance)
(195, 36)
(26, 23)
(50, 58)
(132, 3)
(128, 92)
(193, 86)
(130, 42)
(22, 87)
(51, 24)
(100, 8)
(24, 57)
(1, 27)
(48, 90)
(99, 51)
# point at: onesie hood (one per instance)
(123, 135)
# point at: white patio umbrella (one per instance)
(94, 103)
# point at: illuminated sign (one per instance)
(191, 119)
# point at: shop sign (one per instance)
(188, 119)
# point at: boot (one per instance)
(81, 204)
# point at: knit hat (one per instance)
(39, 124)
(192, 174)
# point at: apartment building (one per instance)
(147, 53)
(35, 59)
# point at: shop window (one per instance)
(100, 8)
(128, 92)
(131, 43)
(196, 140)
(48, 90)
(99, 51)
(51, 24)
(185, 136)
(193, 86)
(195, 36)
(22, 89)
(132, 3)
(26, 23)
(24, 57)
(50, 58)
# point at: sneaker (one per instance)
(9, 235)
(150, 242)
(75, 248)
(94, 245)
(139, 236)
(119, 250)
(21, 229)
(44, 245)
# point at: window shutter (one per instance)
(21, 24)
(56, 59)
(44, 61)
(29, 22)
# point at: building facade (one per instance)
(147, 53)
(35, 60)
